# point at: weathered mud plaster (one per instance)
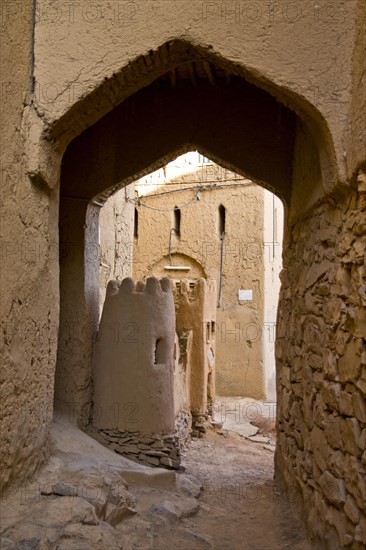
(251, 259)
(133, 358)
(42, 160)
(195, 302)
(115, 239)
(134, 373)
(89, 54)
(276, 54)
(29, 272)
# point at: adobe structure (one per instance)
(116, 223)
(195, 305)
(133, 371)
(154, 367)
(227, 229)
(275, 92)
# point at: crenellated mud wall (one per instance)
(133, 372)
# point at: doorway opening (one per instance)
(271, 139)
(239, 340)
(245, 267)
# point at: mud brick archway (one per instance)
(205, 103)
(124, 124)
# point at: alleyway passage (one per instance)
(225, 499)
(242, 509)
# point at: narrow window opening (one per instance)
(203, 160)
(136, 224)
(192, 291)
(208, 333)
(222, 220)
(176, 220)
(159, 352)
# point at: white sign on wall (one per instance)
(245, 295)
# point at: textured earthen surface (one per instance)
(133, 358)
(321, 378)
(115, 240)
(195, 303)
(140, 405)
(276, 52)
(29, 272)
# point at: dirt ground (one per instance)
(242, 507)
(89, 498)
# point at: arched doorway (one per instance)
(199, 103)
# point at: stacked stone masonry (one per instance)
(321, 382)
(154, 449)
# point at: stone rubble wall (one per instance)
(159, 450)
(153, 449)
(321, 362)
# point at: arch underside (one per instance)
(235, 123)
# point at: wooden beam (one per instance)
(209, 72)
(192, 74)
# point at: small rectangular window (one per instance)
(203, 160)
(208, 333)
(136, 224)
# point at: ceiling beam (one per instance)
(192, 74)
(209, 72)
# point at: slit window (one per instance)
(222, 219)
(136, 224)
(159, 352)
(176, 220)
(208, 333)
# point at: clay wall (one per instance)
(72, 70)
(195, 304)
(133, 356)
(251, 260)
(29, 281)
(115, 240)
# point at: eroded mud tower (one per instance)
(133, 371)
